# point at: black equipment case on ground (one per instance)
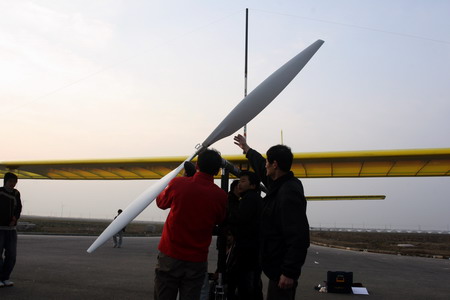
(339, 282)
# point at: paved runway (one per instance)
(58, 267)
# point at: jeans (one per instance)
(173, 276)
(118, 236)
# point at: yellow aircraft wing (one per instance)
(100, 169)
(339, 198)
(379, 163)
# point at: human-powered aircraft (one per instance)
(429, 162)
(339, 164)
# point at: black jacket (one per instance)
(231, 221)
(284, 225)
(248, 230)
(10, 206)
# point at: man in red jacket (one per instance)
(196, 206)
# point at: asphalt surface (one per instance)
(58, 267)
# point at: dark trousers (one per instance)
(244, 275)
(8, 252)
(275, 293)
(173, 276)
(245, 285)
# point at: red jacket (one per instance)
(196, 206)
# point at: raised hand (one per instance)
(241, 141)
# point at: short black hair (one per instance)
(234, 184)
(9, 176)
(189, 168)
(252, 178)
(209, 161)
(283, 155)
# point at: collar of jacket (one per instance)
(249, 191)
(276, 184)
(12, 193)
(203, 176)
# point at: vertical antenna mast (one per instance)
(245, 68)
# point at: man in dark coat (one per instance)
(10, 209)
(284, 225)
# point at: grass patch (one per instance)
(423, 244)
(86, 226)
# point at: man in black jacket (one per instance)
(245, 276)
(10, 209)
(284, 225)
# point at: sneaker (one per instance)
(8, 283)
(1, 284)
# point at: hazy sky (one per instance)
(119, 79)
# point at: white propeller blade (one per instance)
(262, 95)
(136, 207)
(243, 113)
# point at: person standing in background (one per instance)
(10, 210)
(117, 238)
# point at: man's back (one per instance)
(197, 205)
